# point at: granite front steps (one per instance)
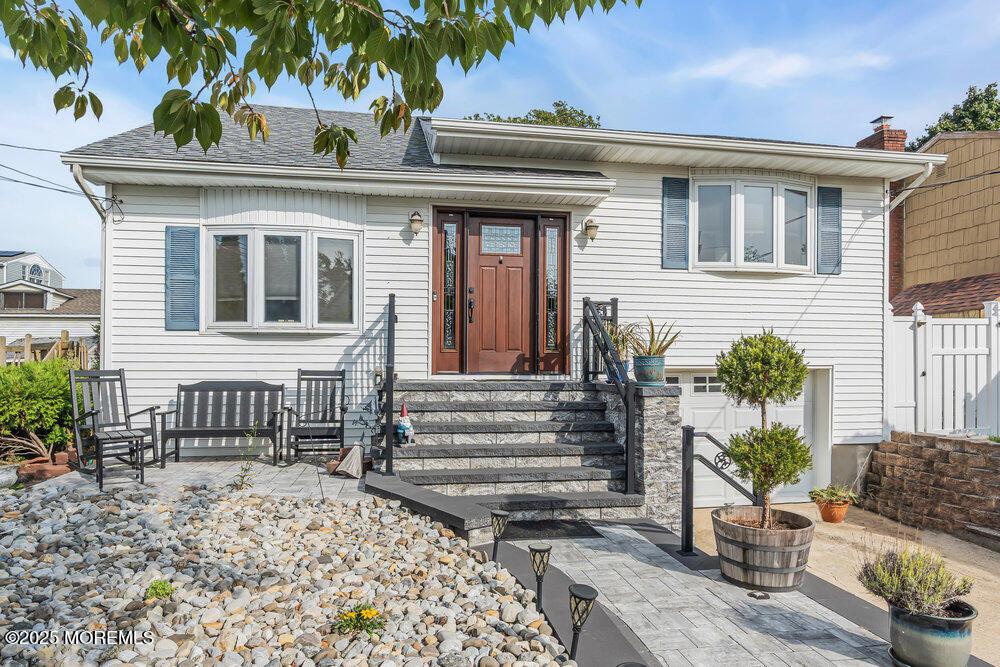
(539, 449)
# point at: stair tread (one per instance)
(495, 385)
(512, 449)
(560, 500)
(495, 406)
(520, 474)
(511, 427)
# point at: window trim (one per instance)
(255, 279)
(737, 184)
(258, 277)
(356, 240)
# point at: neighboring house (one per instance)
(33, 301)
(947, 250)
(256, 259)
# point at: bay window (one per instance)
(752, 225)
(278, 279)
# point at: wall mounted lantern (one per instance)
(590, 229)
(416, 222)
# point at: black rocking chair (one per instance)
(316, 424)
(102, 424)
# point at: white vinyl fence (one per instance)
(944, 373)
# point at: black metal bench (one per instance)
(225, 409)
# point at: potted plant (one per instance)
(621, 338)
(761, 548)
(649, 349)
(929, 624)
(833, 501)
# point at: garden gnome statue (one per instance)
(404, 429)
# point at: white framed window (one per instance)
(752, 225)
(282, 279)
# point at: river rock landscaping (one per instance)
(255, 580)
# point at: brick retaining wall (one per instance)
(949, 484)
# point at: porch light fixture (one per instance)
(540, 554)
(498, 521)
(581, 603)
(416, 222)
(590, 229)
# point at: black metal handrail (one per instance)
(388, 383)
(596, 313)
(596, 338)
(722, 461)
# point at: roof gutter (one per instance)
(88, 193)
(901, 197)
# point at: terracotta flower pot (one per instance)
(833, 512)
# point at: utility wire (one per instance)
(31, 148)
(39, 178)
(956, 180)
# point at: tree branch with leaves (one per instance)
(339, 44)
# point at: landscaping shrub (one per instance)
(912, 579)
(758, 370)
(158, 589)
(36, 414)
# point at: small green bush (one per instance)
(912, 579)
(762, 369)
(834, 493)
(995, 438)
(361, 617)
(158, 589)
(36, 414)
(768, 458)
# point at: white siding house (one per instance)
(823, 287)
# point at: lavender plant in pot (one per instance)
(929, 624)
(649, 349)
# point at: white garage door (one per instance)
(705, 407)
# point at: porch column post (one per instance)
(921, 367)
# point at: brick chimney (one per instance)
(884, 138)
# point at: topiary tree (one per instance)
(768, 458)
(762, 369)
(758, 370)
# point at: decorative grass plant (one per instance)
(912, 579)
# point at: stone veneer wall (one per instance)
(949, 484)
(658, 442)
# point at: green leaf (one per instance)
(80, 108)
(95, 105)
(63, 98)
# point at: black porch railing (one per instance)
(600, 354)
(388, 430)
(718, 466)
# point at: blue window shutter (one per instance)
(181, 281)
(675, 223)
(829, 244)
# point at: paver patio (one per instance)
(687, 617)
(304, 479)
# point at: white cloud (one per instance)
(766, 67)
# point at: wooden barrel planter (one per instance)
(762, 560)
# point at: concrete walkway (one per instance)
(305, 479)
(686, 617)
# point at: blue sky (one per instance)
(796, 70)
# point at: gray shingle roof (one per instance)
(82, 302)
(11, 253)
(290, 144)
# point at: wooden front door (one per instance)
(500, 293)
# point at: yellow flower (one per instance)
(349, 614)
(369, 613)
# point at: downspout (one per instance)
(928, 168)
(91, 197)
